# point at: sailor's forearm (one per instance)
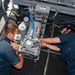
(50, 40)
(53, 47)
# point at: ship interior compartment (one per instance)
(50, 62)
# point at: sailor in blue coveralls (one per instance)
(65, 43)
(8, 50)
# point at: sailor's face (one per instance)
(13, 35)
(65, 31)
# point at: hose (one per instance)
(32, 27)
(3, 7)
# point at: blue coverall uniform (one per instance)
(67, 49)
(8, 56)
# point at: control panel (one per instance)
(42, 12)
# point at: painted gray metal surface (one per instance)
(69, 9)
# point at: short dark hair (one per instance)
(69, 26)
(9, 28)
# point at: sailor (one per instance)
(65, 44)
(9, 55)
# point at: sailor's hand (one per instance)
(43, 44)
(15, 46)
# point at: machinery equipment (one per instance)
(29, 44)
(30, 29)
